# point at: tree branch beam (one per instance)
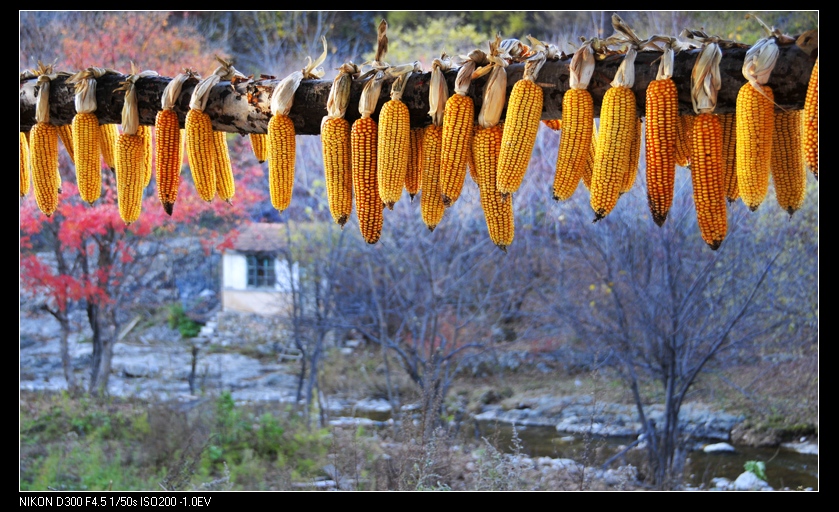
(244, 108)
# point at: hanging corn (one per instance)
(335, 141)
(755, 120)
(431, 197)
(281, 133)
(130, 154)
(521, 124)
(577, 123)
(706, 167)
(458, 127)
(662, 113)
(618, 118)
(43, 146)
(486, 146)
(168, 144)
(394, 139)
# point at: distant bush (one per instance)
(188, 327)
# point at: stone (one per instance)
(718, 448)
(748, 481)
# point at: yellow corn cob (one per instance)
(282, 148)
(755, 121)
(788, 172)
(394, 150)
(25, 171)
(168, 148)
(811, 122)
(729, 154)
(498, 210)
(43, 154)
(226, 188)
(574, 142)
(662, 113)
(683, 131)
(130, 172)
(556, 124)
(524, 110)
(259, 145)
(414, 172)
(458, 125)
(706, 172)
(431, 200)
(145, 132)
(108, 134)
(337, 166)
(614, 148)
(65, 133)
(634, 156)
(199, 152)
(88, 164)
(589, 166)
(368, 204)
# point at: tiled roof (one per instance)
(260, 237)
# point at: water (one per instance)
(785, 468)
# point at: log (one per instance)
(244, 107)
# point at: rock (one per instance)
(747, 435)
(718, 448)
(721, 483)
(748, 481)
(803, 447)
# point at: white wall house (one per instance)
(256, 276)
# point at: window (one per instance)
(261, 272)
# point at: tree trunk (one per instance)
(244, 107)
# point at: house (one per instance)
(257, 276)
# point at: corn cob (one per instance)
(574, 142)
(130, 175)
(65, 133)
(88, 164)
(259, 145)
(458, 124)
(168, 143)
(521, 125)
(130, 153)
(145, 132)
(108, 134)
(25, 171)
(43, 151)
(588, 168)
(198, 131)
(524, 111)
(368, 204)
(811, 122)
(394, 150)
(729, 154)
(787, 167)
(555, 124)
(200, 154)
(634, 156)
(282, 135)
(337, 164)
(755, 123)
(577, 120)
(168, 148)
(225, 185)
(335, 141)
(684, 128)
(498, 210)
(431, 200)
(86, 134)
(662, 118)
(706, 172)
(413, 176)
(614, 147)
(618, 127)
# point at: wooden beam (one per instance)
(244, 108)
